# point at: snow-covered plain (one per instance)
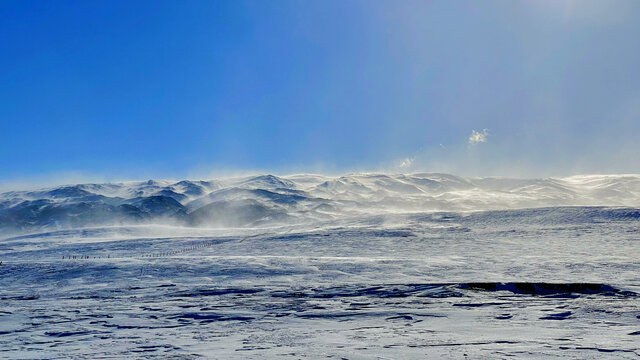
(362, 266)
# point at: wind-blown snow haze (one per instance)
(319, 179)
(268, 200)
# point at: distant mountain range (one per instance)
(267, 199)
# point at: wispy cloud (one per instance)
(478, 136)
(405, 163)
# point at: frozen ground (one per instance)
(361, 266)
(556, 282)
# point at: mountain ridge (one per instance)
(268, 199)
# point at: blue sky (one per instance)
(137, 89)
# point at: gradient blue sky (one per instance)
(139, 89)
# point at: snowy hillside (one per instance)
(271, 200)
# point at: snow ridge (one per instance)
(268, 199)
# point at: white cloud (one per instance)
(478, 136)
(406, 163)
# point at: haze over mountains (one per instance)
(267, 199)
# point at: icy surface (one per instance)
(365, 281)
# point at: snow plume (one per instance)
(478, 136)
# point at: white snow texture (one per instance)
(361, 266)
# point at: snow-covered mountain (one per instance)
(269, 199)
